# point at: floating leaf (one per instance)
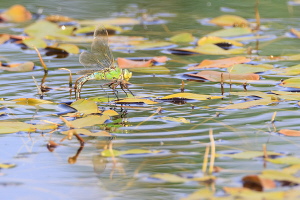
(227, 77)
(58, 18)
(43, 28)
(70, 48)
(31, 101)
(16, 13)
(293, 70)
(89, 121)
(135, 100)
(91, 29)
(110, 113)
(109, 153)
(279, 176)
(211, 49)
(247, 68)
(217, 40)
(6, 166)
(4, 38)
(287, 95)
(245, 193)
(291, 82)
(287, 160)
(34, 42)
(144, 45)
(295, 32)
(230, 32)
(258, 183)
(221, 63)
(288, 132)
(177, 119)
(18, 67)
(248, 154)
(182, 38)
(127, 64)
(291, 169)
(229, 20)
(204, 193)
(191, 96)
(45, 126)
(13, 127)
(85, 106)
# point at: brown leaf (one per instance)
(295, 32)
(289, 132)
(126, 63)
(227, 77)
(16, 13)
(27, 66)
(3, 38)
(257, 183)
(221, 63)
(59, 18)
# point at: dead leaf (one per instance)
(288, 132)
(257, 183)
(221, 63)
(127, 64)
(16, 13)
(4, 38)
(18, 67)
(58, 18)
(295, 32)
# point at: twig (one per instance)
(41, 60)
(213, 151)
(70, 76)
(205, 160)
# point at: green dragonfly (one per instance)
(100, 65)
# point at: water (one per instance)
(48, 175)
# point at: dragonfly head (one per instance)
(127, 74)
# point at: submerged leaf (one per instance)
(247, 68)
(177, 119)
(248, 154)
(109, 153)
(191, 96)
(221, 63)
(211, 49)
(135, 100)
(230, 32)
(89, 121)
(249, 104)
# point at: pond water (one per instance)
(41, 174)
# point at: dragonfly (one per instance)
(100, 65)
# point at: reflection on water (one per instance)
(71, 171)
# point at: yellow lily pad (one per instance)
(31, 101)
(216, 40)
(249, 104)
(6, 166)
(108, 153)
(291, 82)
(85, 106)
(287, 160)
(211, 49)
(89, 121)
(182, 38)
(34, 42)
(177, 119)
(229, 20)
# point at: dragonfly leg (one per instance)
(124, 85)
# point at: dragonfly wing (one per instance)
(90, 60)
(101, 48)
